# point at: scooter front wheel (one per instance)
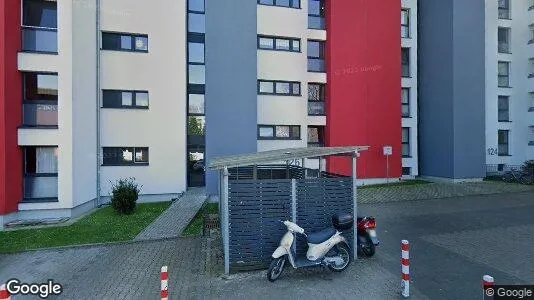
(276, 268)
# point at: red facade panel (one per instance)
(364, 83)
(11, 184)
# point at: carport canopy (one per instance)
(271, 156)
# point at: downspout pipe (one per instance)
(98, 100)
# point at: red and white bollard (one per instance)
(405, 264)
(4, 294)
(164, 283)
(487, 284)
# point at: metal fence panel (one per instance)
(255, 208)
(318, 199)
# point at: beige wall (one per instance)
(161, 71)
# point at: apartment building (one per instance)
(409, 92)
(510, 94)
(93, 91)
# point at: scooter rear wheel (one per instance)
(276, 268)
(343, 251)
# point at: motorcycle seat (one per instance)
(321, 236)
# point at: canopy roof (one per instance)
(266, 157)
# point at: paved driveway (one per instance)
(454, 242)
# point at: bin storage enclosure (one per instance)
(251, 209)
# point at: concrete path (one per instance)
(173, 221)
(437, 191)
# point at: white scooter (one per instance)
(325, 248)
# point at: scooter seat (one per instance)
(321, 236)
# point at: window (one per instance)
(281, 88)
(40, 173)
(405, 57)
(196, 125)
(197, 74)
(504, 9)
(316, 56)
(504, 74)
(316, 136)
(278, 132)
(124, 42)
(316, 14)
(39, 26)
(282, 3)
(503, 40)
(405, 98)
(504, 109)
(503, 142)
(119, 156)
(531, 29)
(40, 99)
(406, 171)
(316, 99)
(196, 5)
(124, 99)
(278, 43)
(406, 142)
(405, 23)
(196, 104)
(531, 67)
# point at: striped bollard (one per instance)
(405, 263)
(487, 284)
(164, 283)
(4, 294)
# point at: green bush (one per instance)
(124, 194)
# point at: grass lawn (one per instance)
(398, 183)
(197, 224)
(104, 225)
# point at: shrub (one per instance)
(124, 194)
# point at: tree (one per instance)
(194, 127)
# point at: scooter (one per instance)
(367, 239)
(325, 248)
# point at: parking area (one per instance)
(454, 242)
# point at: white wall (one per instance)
(161, 71)
(520, 85)
(411, 83)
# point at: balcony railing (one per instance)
(504, 48)
(316, 108)
(316, 65)
(39, 39)
(315, 22)
(504, 13)
(40, 114)
(40, 187)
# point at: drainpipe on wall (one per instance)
(98, 103)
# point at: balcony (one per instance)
(316, 108)
(40, 114)
(39, 39)
(40, 188)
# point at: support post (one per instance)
(287, 170)
(294, 207)
(355, 205)
(304, 171)
(226, 232)
(320, 166)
